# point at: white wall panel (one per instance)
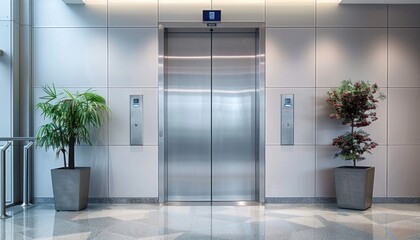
(182, 10)
(304, 115)
(286, 13)
(85, 156)
(43, 163)
(404, 57)
(5, 10)
(403, 171)
(119, 103)
(95, 157)
(331, 14)
(133, 171)
(404, 15)
(70, 57)
(5, 79)
(404, 116)
(133, 13)
(351, 53)
(290, 57)
(378, 159)
(133, 57)
(55, 13)
(241, 10)
(98, 137)
(290, 171)
(325, 164)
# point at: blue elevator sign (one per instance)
(212, 15)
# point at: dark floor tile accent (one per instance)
(299, 200)
(105, 200)
(129, 200)
(41, 200)
(409, 200)
(396, 200)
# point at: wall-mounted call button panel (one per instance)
(136, 120)
(287, 119)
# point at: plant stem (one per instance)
(72, 139)
(64, 157)
(352, 139)
(71, 152)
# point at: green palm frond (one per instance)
(72, 115)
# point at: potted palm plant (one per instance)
(72, 115)
(355, 104)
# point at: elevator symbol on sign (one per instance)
(212, 16)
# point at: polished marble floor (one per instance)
(272, 221)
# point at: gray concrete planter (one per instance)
(70, 188)
(354, 187)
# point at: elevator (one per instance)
(210, 115)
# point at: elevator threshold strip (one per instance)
(205, 203)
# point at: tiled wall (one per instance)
(313, 52)
(311, 47)
(111, 47)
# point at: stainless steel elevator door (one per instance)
(233, 116)
(188, 85)
(210, 116)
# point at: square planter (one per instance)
(70, 188)
(354, 187)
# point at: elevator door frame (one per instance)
(260, 101)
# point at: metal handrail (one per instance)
(25, 172)
(4, 139)
(3, 181)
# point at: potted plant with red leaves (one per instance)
(355, 104)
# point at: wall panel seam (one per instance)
(108, 95)
(131, 87)
(387, 102)
(64, 27)
(289, 87)
(298, 27)
(127, 145)
(412, 87)
(315, 88)
(131, 27)
(403, 145)
(289, 146)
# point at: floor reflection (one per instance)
(273, 221)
